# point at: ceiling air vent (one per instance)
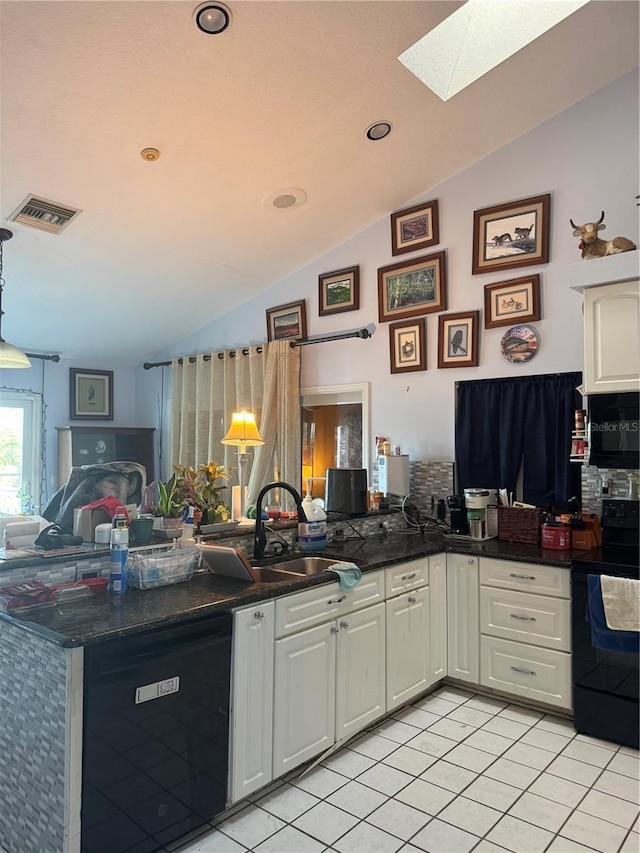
(44, 214)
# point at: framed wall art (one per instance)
(508, 301)
(339, 291)
(407, 346)
(458, 344)
(514, 234)
(287, 321)
(415, 228)
(91, 394)
(411, 288)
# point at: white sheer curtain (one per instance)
(262, 379)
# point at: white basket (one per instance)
(158, 565)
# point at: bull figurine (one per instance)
(593, 246)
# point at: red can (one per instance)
(556, 537)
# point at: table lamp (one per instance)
(243, 433)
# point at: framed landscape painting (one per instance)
(458, 339)
(339, 291)
(415, 228)
(514, 234)
(508, 301)
(287, 321)
(407, 345)
(411, 288)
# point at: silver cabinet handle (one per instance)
(522, 577)
(259, 614)
(412, 599)
(335, 630)
(471, 561)
(523, 671)
(344, 624)
(336, 600)
(408, 577)
(523, 618)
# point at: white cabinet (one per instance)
(408, 670)
(462, 618)
(437, 617)
(251, 713)
(330, 678)
(611, 340)
(525, 623)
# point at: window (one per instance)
(20, 451)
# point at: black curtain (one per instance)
(503, 423)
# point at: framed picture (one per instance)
(407, 345)
(287, 321)
(411, 288)
(511, 235)
(91, 394)
(339, 291)
(415, 228)
(507, 301)
(458, 339)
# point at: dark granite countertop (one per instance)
(108, 615)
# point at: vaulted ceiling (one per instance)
(280, 100)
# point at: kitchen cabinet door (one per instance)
(408, 669)
(437, 617)
(360, 674)
(611, 346)
(251, 729)
(305, 696)
(463, 635)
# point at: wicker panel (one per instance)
(519, 525)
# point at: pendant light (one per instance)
(10, 356)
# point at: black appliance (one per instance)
(459, 522)
(614, 430)
(156, 735)
(605, 663)
(346, 491)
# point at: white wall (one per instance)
(586, 157)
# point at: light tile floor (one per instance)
(455, 772)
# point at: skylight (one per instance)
(478, 37)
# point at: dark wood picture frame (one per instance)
(287, 321)
(514, 301)
(90, 394)
(339, 291)
(407, 345)
(510, 235)
(412, 288)
(458, 343)
(415, 228)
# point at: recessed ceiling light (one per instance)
(212, 18)
(478, 36)
(378, 130)
(150, 154)
(284, 200)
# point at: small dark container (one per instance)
(346, 491)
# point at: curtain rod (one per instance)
(192, 358)
(55, 358)
(360, 333)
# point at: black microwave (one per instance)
(614, 431)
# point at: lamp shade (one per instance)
(243, 431)
(11, 356)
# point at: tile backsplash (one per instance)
(592, 480)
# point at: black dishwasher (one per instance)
(155, 735)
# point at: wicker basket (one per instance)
(519, 525)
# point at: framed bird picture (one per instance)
(458, 344)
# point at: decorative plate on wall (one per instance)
(519, 343)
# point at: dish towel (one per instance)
(348, 573)
(603, 637)
(621, 599)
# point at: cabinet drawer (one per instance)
(406, 576)
(536, 619)
(524, 670)
(532, 577)
(313, 606)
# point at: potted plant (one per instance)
(168, 509)
(201, 488)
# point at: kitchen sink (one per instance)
(306, 565)
(268, 574)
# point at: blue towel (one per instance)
(603, 637)
(348, 573)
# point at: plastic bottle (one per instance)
(187, 537)
(118, 554)
(312, 534)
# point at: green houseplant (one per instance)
(201, 488)
(169, 505)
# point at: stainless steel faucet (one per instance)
(260, 539)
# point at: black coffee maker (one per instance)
(458, 513)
